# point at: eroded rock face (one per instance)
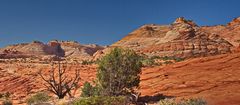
(144, 36)
(182, 38)
(230, 32)
(68, 49)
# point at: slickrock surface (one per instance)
(213, 78)
(22, 80)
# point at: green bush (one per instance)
(104, 100)
(7, 102)
(88, 90)
(119, 72)
(148, 62)
(191, 101)
(38, 98)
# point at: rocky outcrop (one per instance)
(230, 32)
(182, 38)
(144, 36)
(214, 78)
(77, 51)
(68, 49)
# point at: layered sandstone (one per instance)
(230, 32)
(182, 38)
(36, 49)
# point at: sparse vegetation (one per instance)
(38, 98)
(152, 61)
(102, 100)
(191, 101)
(58, 82)
(148, 62)
(167, 102)
(7, 102)
(168, 62)
(88, 90)
(87, 62)
(177, 59)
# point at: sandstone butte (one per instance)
(210, 70)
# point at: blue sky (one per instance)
(101, 21)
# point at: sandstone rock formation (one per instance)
(66, 49)
(230, 32)
(214, 78)
(182, 38)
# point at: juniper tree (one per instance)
(119, 72)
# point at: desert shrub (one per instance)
(148, 62)
(101, 100)
(167, 102)
(119, 72)
(87, 62)
(191, 101)
(155, 57)
(166, 58)
(177, 59)
(7, 102)
(168, 62)
(63, 102)
(88, 90)
(38, 98)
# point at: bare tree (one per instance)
(58, 82)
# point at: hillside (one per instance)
(230, 32)
(213, 78)
(183, 38)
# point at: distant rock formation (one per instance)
(68, 49)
